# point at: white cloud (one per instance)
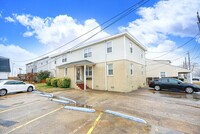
(9, 19)
(164, 19)
(3, 39)
(14, 53)
(54, 32)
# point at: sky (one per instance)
(29, 29)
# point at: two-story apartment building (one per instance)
(115, 63)
(38, 65)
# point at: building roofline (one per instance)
(127, 34)
(38, 60)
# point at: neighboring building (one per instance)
(38, 65)
(162, 68)
(115, 63)
(4, 67)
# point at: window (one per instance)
(174, 81)
(55, 61)
(87, 52)
(89, 71)
(110, 69)
(65, 72)
(162, 74)
(142, 70)
(131, 69)
(64, 58)
(109, 47)
(10, 83)
(142, 54)
(131, 47)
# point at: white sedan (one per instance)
(11, 86)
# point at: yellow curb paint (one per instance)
(33, 120)
(95, 123)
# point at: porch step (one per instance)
(81, 86)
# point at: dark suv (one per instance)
(172, 83)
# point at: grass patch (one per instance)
(49, 89)
(197, 83)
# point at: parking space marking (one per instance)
(10, 109)
(35, 119)
(76, 130)
(95, 123)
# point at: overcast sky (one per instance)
(31, 28)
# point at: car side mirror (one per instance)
(179, 82)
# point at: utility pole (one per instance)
(189, 64)
(198, 22)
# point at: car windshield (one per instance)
(180, 81)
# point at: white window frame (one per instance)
(142, 54)
(65, 71)
(131, 47)
(108, 69)
(109, 47)
(131, 69)
(89, 71)
(87, 52)
(161, 75)
(64, 58)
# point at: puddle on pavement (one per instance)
(7, 123)
(4, 106)
(175, 94)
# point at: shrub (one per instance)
(42, 75)
(54, 82)
(48, 81)
(64, 82)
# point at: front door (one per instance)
(78, 74)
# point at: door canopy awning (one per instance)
(78, 63)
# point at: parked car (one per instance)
(172, 83)
(11, 86)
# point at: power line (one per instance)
(130, 9)
(177, 47)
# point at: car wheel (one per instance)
(30, 89)
(189, 90)
(157, 88)
(3, 92)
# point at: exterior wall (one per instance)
(138, 54)
(154, 68)
(4, 75)
(37, 66)
(99, 76)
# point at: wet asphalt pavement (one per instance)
(165, 112)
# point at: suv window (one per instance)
(174, 81)
(19, 82)
(164, 80)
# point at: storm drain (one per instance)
(3, 106)
(7, 123)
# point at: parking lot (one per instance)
(165, 112)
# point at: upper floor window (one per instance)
(55, 61)
(131, 47)
(109, 47)
(142, 54)
(131, 69)
(87, 52)
(89, 71)
(110, 69)
(64, 58)
(162, 74)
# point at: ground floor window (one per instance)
(162, 74)
(65, 72)
(89, 71)
(131, 69)
(110, 69)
